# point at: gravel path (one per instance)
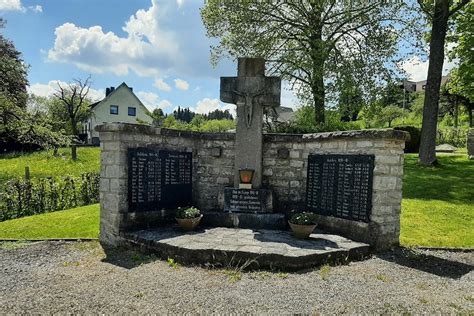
(77, 277)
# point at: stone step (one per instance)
(247, 248)
(245, 220)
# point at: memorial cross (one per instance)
(251, 91)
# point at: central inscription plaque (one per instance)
(247, 200)
(158, 179)
(340, 185)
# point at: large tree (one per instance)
(74, 102)
(13, 71)
(309, 43)
(438, 12)
(20, 126)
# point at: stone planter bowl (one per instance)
(189, 223)
(302, 231)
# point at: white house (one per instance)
(119, 105)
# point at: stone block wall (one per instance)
(285, 159)
(285, 171)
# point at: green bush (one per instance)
(22, 197)
(190, 212)
(305, 123)
(453, 136)
(412, 145)
(303, 218)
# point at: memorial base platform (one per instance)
(253, 249)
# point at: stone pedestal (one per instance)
(470, 143)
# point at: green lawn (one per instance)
(44, 164)
(438, 203)
(437, 209)
(80, 222)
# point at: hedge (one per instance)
(21, 197)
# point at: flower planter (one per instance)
(302, 231)
(189, 223)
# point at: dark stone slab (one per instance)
(340, 186)
(245, 220)
(271, 249)
(158, 179)
(247, 200)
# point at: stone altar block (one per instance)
(470, 143)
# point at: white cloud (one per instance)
(36, 8)
(11, 5)
(180, 3)
(181, 84)
(417, 69)
(162, 85)
(46, 90)
(207, 105)
(145, 50)
(149, 99)
(163, 104)
(16, 5)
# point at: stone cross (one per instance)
(250, 91)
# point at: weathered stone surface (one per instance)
(283, 153)
(250, 91)
(470, 143)
(263, 248)
(245, 220)
(445, 148)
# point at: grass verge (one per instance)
(45, 164)
(80, 222)
(438, 203)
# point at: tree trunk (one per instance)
(439, 27)
(75, 131)
(318, 99)
(317, 80)
(456, 113)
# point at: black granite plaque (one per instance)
(158, 179)
(246, 200)
(340, 185)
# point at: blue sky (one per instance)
(157, 47)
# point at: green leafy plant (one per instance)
(190, 212)
(303, 218)
(324, 272)
(172, 263)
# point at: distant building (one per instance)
(119, 105)
(418, 86)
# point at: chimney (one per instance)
(107, 91)
(131, 89)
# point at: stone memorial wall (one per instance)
(287, 160)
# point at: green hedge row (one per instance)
(20, 197)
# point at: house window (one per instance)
(114, 109)
(132, 111)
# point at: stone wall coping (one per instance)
(274, 137)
